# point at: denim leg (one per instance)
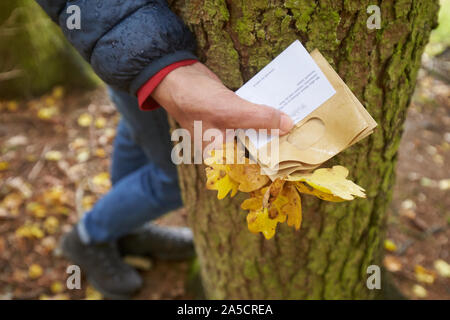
(144, 188)
(141, 196)
(127, 156)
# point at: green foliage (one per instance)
(440, 37)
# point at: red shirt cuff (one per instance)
(146, 102)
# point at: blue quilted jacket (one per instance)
(125, 41)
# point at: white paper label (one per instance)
(292, 83)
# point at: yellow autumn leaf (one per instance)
(100, 153)
(419, 291)
(88, 202)
(389, 245)
(392, 263)
(53, 155)
(4, 165)
(56, 195)
(49, 101)
(47, 113)
(83, 155)
(280, 201)
(293, 208)
(100, 122)
(51, 225)
(274, 202)
(58, 92)
(78, 143)
(61, 210)
(259, 221)
(275, 189)
(226, 174)
(92, 294)
(254, 203)
(85, 120)
(12, 106)
(248, 176)
(30, 231)
(102, 180)
(424, 275)
(442, 267)
(35, 271)
(218, 179)
(36, 209)
(229, 153)
(13, 201)
(56, 287)
(332, 181)
(307, 189)
(224, 186)
(59, 296)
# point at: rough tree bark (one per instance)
(34, 55)
(328, 257)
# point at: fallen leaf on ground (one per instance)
(443, 268)
(56, 287)
(36, 209)
(35, 271)
(140, 263)
(100, 123)
(47, 113)
(392, 263)
(53, 155)
(102, 181)
(30, 231)
(92, 294)
(4, 165)
(58, 92)
(51, 225)
(419, 291)
(13, 201)
(85, 120)
(389, 245)
(424, 275)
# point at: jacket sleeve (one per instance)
(126, 42)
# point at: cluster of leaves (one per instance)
(273, 202)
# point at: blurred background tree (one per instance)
(34, 55)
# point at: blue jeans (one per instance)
(144, 178)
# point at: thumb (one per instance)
(246, 115)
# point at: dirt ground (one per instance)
(419, 217)
(54, 160)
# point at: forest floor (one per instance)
(54, 160)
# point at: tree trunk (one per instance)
(328, 257)
(34, 55)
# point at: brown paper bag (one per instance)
(334, 126)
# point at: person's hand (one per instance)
(195, 93)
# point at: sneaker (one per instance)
(102, 266)
(160, 242)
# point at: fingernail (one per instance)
(286, 124)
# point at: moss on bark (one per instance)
(329, 256)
